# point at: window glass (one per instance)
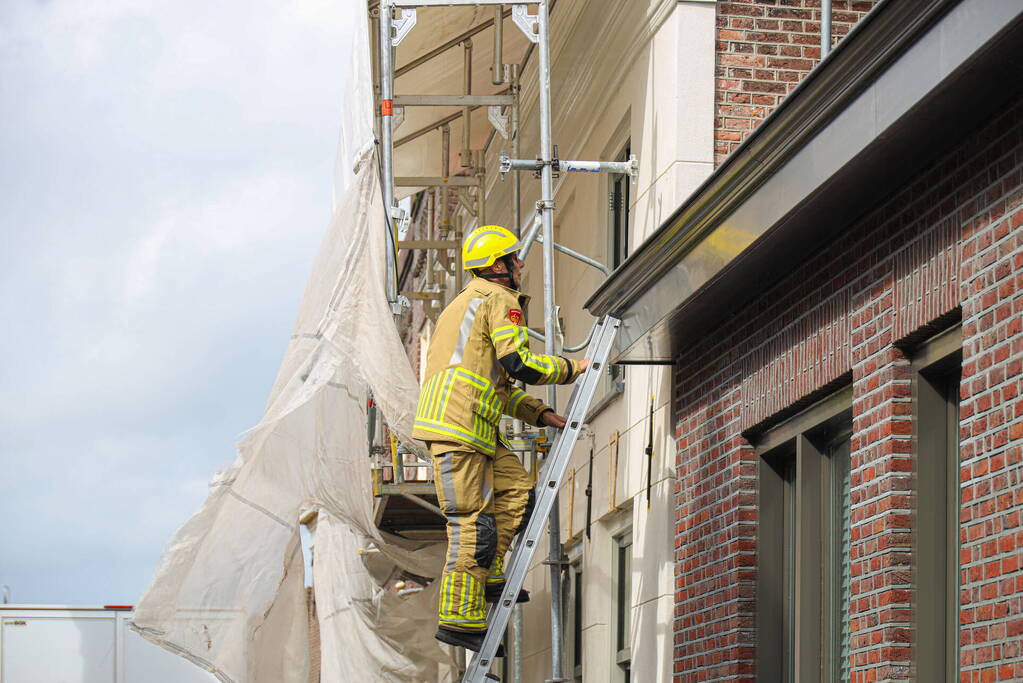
(804, 547)
(938, 366)
(841, 560)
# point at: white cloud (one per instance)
(246, 214)
(166, 179)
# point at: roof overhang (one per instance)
(909, 83)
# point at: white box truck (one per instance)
(61, 644)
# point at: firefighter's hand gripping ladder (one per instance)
(547, 490)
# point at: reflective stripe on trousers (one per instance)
(484, 499)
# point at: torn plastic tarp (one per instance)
(229, 591)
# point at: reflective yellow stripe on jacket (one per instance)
(479, 339)
(434, 400)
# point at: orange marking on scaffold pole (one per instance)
(387, 107)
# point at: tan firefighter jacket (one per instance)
(480, 345)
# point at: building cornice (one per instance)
(870, 48)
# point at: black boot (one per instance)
(470, 641)
(492, 593)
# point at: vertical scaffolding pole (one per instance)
(445, 173)
(513, 77)
(517, 631)
(513, 72)
(467, 111)
(825, 28)
(387, 144)
(497, 77)
(550, 322)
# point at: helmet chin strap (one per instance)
(508, 261)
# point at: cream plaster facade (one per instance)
(641, 72)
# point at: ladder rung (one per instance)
(418, 488)
(430, 181)
(429, 244)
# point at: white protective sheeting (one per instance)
(229, 592)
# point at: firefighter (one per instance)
(479, 347)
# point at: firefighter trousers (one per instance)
(486, 500)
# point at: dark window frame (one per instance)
(619, 196)
(619, 221)
(936, 377)
(801, 620)
(622, 599)
(575, 573)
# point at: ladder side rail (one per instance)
(549, 484)
(582, 396)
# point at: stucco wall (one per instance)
(643, 72)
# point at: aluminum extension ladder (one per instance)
(547, 490)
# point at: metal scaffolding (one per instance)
(396, 19)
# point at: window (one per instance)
(618, 204)
(804, 545)
(576, 574)
(618, 200)
(622, 569)
(937, 372)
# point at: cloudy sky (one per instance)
(165, 178)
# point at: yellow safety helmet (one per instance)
(486, 244)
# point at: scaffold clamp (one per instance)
(403, 25)
(528, 23)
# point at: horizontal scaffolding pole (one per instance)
(453, 100)
(418, 488)
(579, 257)
(446, 3)
(429, 244)
(429, 128)
(630, 167)
(596, 166)
(423, 503)
(437, 181)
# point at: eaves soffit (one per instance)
(873, 80)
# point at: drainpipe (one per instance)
(825, 28)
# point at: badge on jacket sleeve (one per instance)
(515, 315)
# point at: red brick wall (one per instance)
(991, 420)
(953, 237)
(764, 48)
